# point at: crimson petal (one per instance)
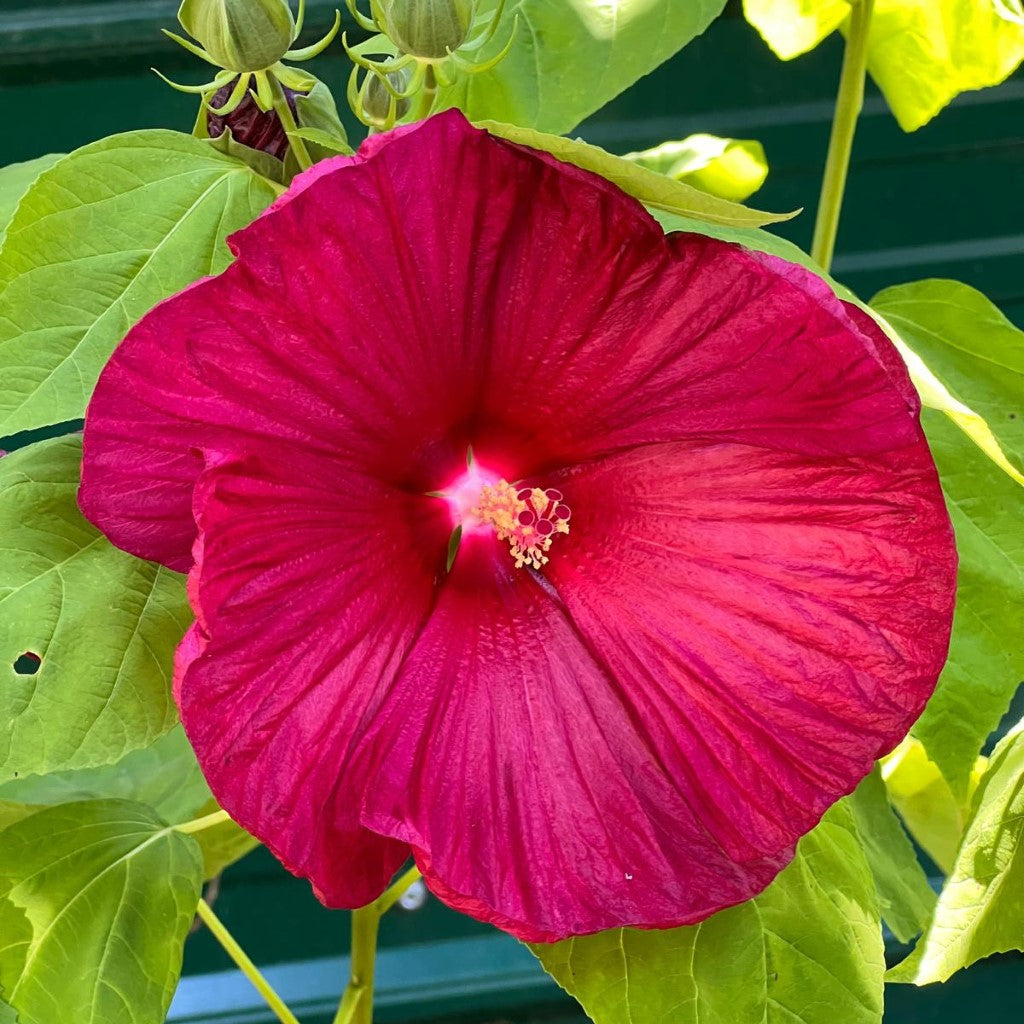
(309, 587)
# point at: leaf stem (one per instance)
(245, 965)
(198, 824)
(357, 1002)
(849, 102)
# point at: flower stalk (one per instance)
(244, 964)
(357, 1002)
(849, 102)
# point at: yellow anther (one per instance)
(528, 518)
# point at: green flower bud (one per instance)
(427, 28)
(377, 101)
(240, 35)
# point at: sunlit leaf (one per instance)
(570, 57)
(808, 949)
(970, 346)
(981, 908)
(921, 53)
(95, 902)
(651, 188)
(986, 661)
(917, 789)
(15, 180)
(792, 27)
(101, 624)
(731, 168)
(904, 894)
(103, 236)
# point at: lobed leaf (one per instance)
(103, 236)
(651, 188)
(95, 902)
(808, 949)
(981, 908)
(570, 57)
(102, 625)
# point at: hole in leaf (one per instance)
(28, 664)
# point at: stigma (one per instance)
(529, 518)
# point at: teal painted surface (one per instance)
(946, 201)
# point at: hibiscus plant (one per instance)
(477, 509)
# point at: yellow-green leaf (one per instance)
(650, 187)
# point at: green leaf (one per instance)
(792, 27)
(730, 168)
(95, 902)
(986, 659)
(164, 776)
(808, 949)
(918, 791)
(105, 625)
(923, 53)
(904, 895)
(970, 346)
(981, 908)
(570, 57)
(15, 180)
(650, 187)
(103, 236)
(7, 1014)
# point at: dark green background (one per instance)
(945, 201)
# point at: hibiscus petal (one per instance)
(720, 648)
(778, 621)
(309, 588)
(513, 763)
(448, 290)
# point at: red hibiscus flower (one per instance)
(705, 574)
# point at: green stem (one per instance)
(207, 821)
(357, 1002)
(284, 112)
(245, 965)
(844, 124)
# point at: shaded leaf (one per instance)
(570, 57)
(808, 949)
(650, 187)
(730, 168)
(164, 776)
(103, 625)
(981, 908)
(904, 894)
(104, 235)
(95, 902)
